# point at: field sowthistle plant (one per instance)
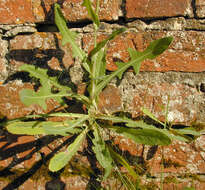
(92, 120)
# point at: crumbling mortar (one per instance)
(131, 85)
(10, 31)
(168, 24)
(5, 45)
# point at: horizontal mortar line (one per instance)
(177, 72)
(53, 27)
(122, 21)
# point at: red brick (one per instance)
(200, 8)
(3, 184)
(183, 107)
(40, 48)
(20, 140)
(155, 8)
(12, 107)
(74, 11)
(110, 100)
(179, 157)
(185, 54)
(29, 184)
(31, 161)
(75, 183)
(16, 11)
(42, 10)
(27, 11)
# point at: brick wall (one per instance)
(28, 35)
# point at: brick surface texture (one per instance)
(28, 35)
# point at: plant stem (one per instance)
(93, 81)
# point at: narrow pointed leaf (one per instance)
(166, 132)
(86, 65)
(157, 47)
(122, 161)
(61, 159)
(68, 127)
(99, 65)
(173, 135)
(102, 152)
(69, 115)
(141, 124)
(43, 128)
(91, 12)
(61, 128)
(67, 35)
(143, 136)
(188, 131)
(151, 52)
(25, 128)
(149, 114)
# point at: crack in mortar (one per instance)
(177, 23)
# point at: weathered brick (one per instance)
(27, 11)
(185, 54)
(179, 158)
(148, 89)
(151, 90)
(151, 9)
(75, 183)
(110, 100)
(73, 10)
(200, 8)
(40, 49)
(11, 141)
(16, 11)
(12, 107)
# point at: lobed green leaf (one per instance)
(42, 75)
(150, 53)
(29, 97)
(67, 35)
